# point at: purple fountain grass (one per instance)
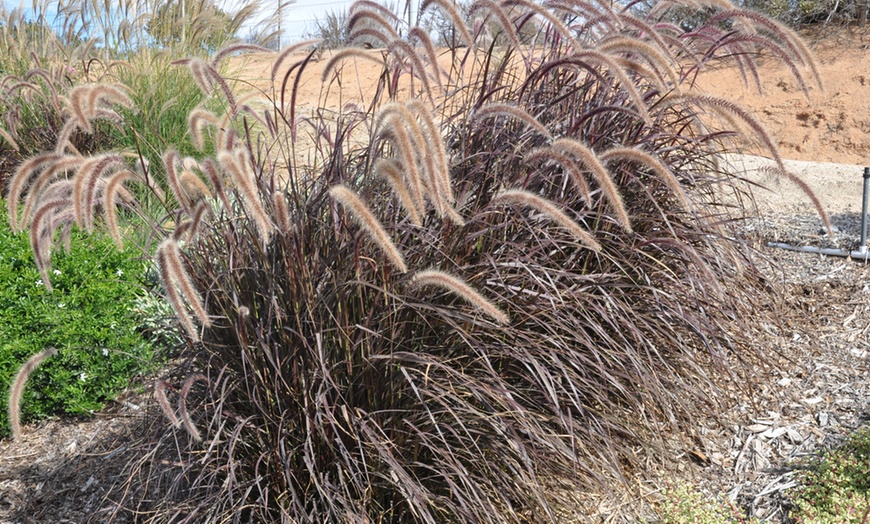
(549, 209)
(588, 158)
(391, 171)
(364, 217)
(160, 387)
(457, 286)
(182, 405)
(238, 164)
(642, 157)
(113, 186)
(16, 392)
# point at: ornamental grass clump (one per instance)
(465, 304)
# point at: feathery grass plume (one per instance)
(211, 171)
(404, 48)
(207, 77)
(361, 214)
(85, 187)
(393, 126)
(431, 181)
(16, 392)
(501, 16)
(193, 186)
(289, 50)
(421, 35)
(587, 157)
(550, 154)
(171, 159)
(548, 208)
(78, 107)
(106, 94)
(18, 182)
(42, 227)
(36, 191)
(182, 405)
(240, 47)
(652, 54)
(109, 212)
(791, 39)
(163, 401)
(9, 139)
(642, 157)
(370, 32)
(361, 15)
(196, 120)
(457, 286)
(282, 213)
(551, 19)
(391, 171)
(344, 54)
(171, 273)
(435, 145)
(238, 165)
(730, 108)
(509, 110)
(450, 8)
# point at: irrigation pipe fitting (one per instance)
(859, 254)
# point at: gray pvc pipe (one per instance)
(858, 255)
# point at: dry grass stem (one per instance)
(549, 209)
(457, 286)
(361, 214)
(16, 392)
(19, 181)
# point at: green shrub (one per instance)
(88, 318)
(835, 488)
(460, 308)
(681, 504)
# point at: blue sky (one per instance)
(298, 18)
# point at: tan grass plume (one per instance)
(391, 171)
(549, 209)
(163, 401)
(457, 286)
(657, 166)
(182, 405)
(16, 392)
(364, 217)
(588, 158)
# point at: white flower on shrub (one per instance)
(120, 273)
(105, 352)
(83, 376)
(56, 272)
(39, 282)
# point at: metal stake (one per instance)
(863, 247)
